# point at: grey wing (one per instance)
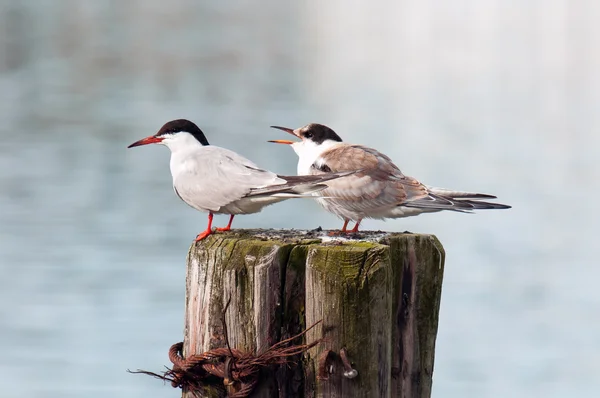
(218, 178)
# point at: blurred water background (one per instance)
(489, 95)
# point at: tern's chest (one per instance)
(304, 165)
(310, 153)
(182, 164)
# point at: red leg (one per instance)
(228, 227)
(207, 232)
(355, 229)
(341, 231)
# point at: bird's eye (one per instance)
(308, 135)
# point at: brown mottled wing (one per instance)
(380, 183)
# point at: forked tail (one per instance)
(445, 199)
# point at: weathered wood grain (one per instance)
(417, 273)
(249, 272)
(348, 286)
(378, 298)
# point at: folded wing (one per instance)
(220, 177)
(381, 184)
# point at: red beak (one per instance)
(145, 141)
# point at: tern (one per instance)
(379, 190)
(219, 181)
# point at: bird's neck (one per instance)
(308, 153)
(183, 151)
(182, 143)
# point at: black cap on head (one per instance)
(182, 125)
(318, 133)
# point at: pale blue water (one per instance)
(494, 96)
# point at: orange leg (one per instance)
(228, 227)
(355, 229)
(341, 231)
(207, 232)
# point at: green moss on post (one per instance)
(378, 298)
(418, 269)
(349, 287)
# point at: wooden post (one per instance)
(378, 299)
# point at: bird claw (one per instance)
(203, 235)
(224, 229)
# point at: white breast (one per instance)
(309, 152)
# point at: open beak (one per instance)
(145, 141)
(287, 130)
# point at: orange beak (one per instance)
(287, 130)
(145, 141)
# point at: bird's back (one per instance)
(379, 185)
